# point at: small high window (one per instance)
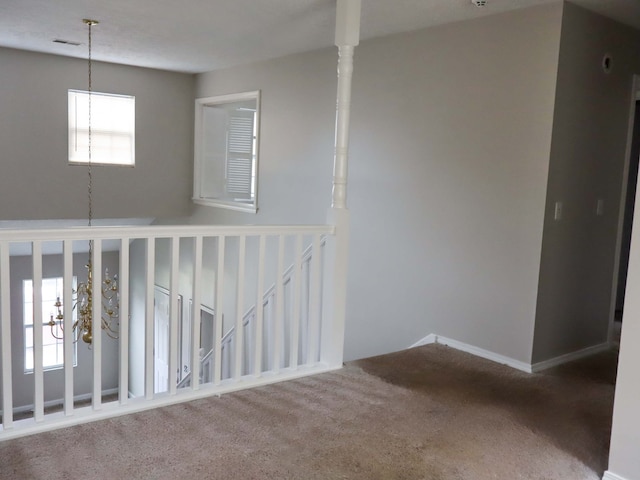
(112, 128)
(226, 151)
(53, 348)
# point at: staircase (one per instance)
(228, 342)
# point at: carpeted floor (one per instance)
(429, 413)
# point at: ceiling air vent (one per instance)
(479, 3)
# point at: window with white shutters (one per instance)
(226, 151)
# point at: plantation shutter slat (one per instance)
(240, 154)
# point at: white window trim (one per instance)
(198, 164)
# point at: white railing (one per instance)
(249, 327)
(222, 268)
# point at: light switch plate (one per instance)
(557, 212)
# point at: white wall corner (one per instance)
(612, 476)
(569, 357)
(428, 340)
(478, 352)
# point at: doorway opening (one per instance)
(628, 205)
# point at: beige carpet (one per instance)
(429, 413)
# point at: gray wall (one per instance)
(36, 180)
(23, 383)
(449, 161)
(587, 163)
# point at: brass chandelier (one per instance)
(83, 294)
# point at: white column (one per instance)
(336, 254)
(347, 37)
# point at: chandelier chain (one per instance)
(89, 173)
(84, 294)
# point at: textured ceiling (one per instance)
(203, 35)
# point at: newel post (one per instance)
(336, 254)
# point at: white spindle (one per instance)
(239, 329)
(248, 349)
(96, 345)
(257, 345)
(304, 314)
(5, 331)
(196, 315)
(149, 320)
(314, 301)
(38, 373)
(68, 332)
(269, 323)
(227, 350)
(123, 290)
(217, 308)
(173, 317)
(295, 310)
(278, 321)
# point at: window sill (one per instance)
(49, 369)
(229, 205)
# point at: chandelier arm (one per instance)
(111, 334)
(106, 326)
(53, 334)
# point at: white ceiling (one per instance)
(203, 35)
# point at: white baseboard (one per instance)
(60, 401)
(569, 357)
(479, 352)
(612, 476)
(511, 362)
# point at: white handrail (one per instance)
(158, 231)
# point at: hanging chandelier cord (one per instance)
(108, 288)
(90, 23)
